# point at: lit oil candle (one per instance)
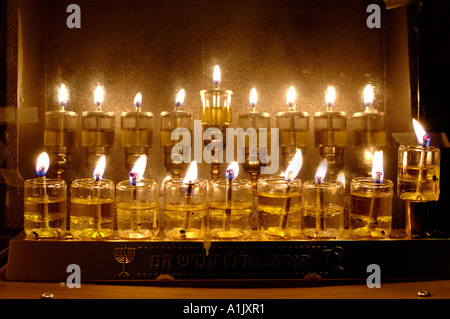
(137, 204)
(92, 205)
(323, 203)
(185, 209)
(45, 203)
(230, 206)
(418, 179)
(280, 203)
(371, 203)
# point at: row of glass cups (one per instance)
(285, 209)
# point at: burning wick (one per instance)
(189, 181)
(63, 96)
(98, 175)
(424, 140)
(319, 178)
(42, 165)
(216, 77)
(289, 175)
(135, 177)
(377, 178)
(138, 102)
(230, 174)
(98, 97)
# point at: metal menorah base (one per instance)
(178, 262)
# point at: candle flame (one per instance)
(331, 96)
(321, 172)
(138, 170)
(100, 168)
(232, 171)
(191, 174)
(341, 178)
(138, 100)
(216, 75)
(253, 97)
(43, 162)
(98, 96)
(290, 97)
(294, 167)
(377, 167)
(368, 95)
(63, 95)
(180, 97)
(422, 136)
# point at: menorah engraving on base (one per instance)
(124, 255)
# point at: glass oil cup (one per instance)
(370, 208)
(418, 173)
(92, 208)
(185, 209)
(137, 209)
(279, 208)
(323, 209)
(45, 208)
(230, 209)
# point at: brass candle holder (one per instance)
(176, 124)
(215, 114)
(252, 122)
(60, 135)
(330, 135)
(136, 132)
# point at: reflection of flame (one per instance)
(216, 75)
(290, 97)
(331, 96)
(232, 171)
(63, 95)
(422, 136)
(168, 177)
(321, 172)
(138, 170)
(377, 167)
(368, 156)
(180, 98)
(294, 167)
(138, 100)
(341, 178)
(98, 96)
(43, 162)
(368, 95)
(191, 174)
(100, 168)
(253, 97)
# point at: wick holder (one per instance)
(279, 208)
(92, 208)
(185, 209)
(323, 209)
(230, 208)
(137, 209)
(370, 208)
(45, 208)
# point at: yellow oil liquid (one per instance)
(279, 215)
(92, 138)
(365, 138)
(91, 218)
(293, 137)
(133, 137)
(418, 184)
(361, 224)
(175, 217)
(56, 138)
(240, 221)
(216, 115)
(324, 137)
(45, 218)
(137, 221)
